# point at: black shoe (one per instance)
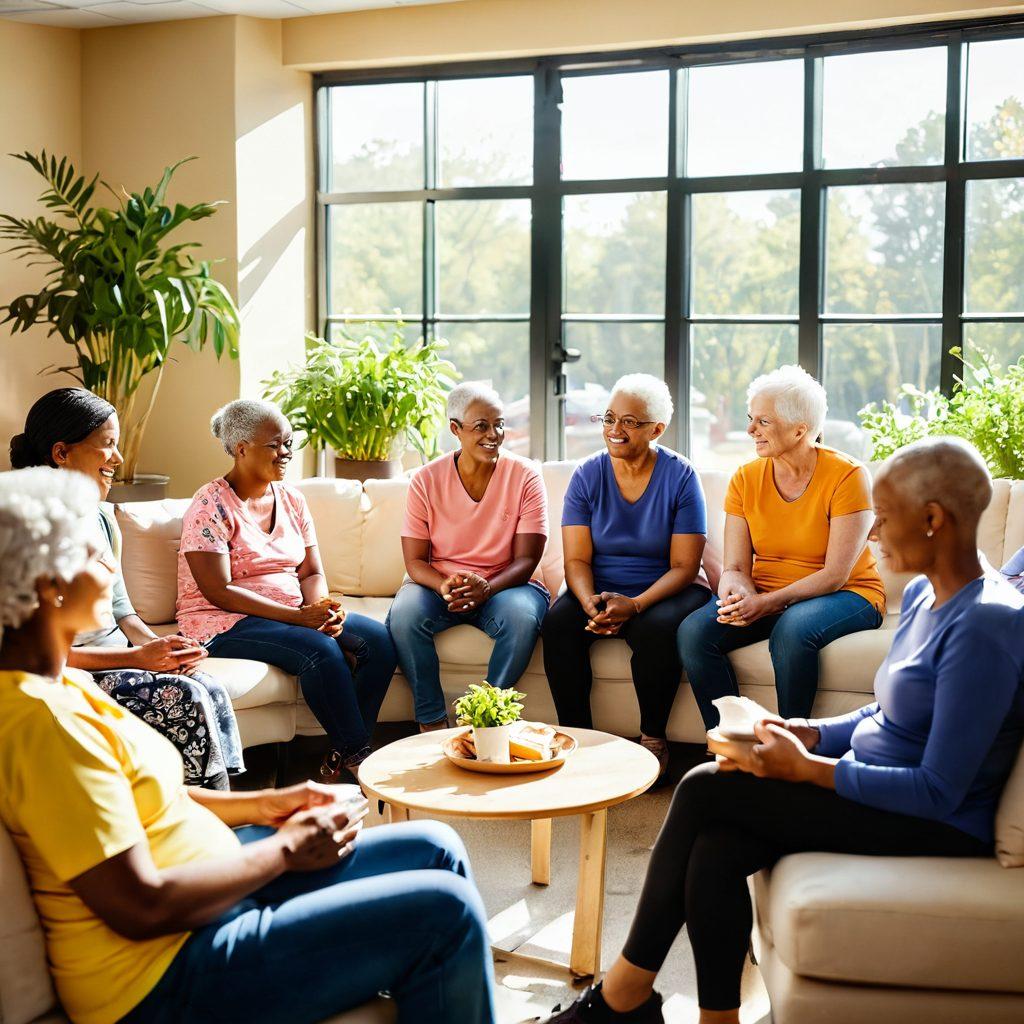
(590, 1008)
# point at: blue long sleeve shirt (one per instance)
(944, 734)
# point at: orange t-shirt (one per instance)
(790, 537)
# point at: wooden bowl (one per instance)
(563, 746)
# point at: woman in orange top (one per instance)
(797, 570)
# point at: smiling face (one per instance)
(627, 441)
(481, 432)
(266, 457)
(901, 528)
(772, 435)
(96, 455)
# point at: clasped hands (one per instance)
(325, 616)
(742, 607)
(608, 620)
(782, 751)
(316, 823)
(465, 591)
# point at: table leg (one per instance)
(540, 850)
(393, 813)
(585, 958)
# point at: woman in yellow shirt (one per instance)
(156, 905)
(797, 571)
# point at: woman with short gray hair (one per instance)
(474, 532)
(797, 570)
(251, 585)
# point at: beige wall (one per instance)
(40, 106)
(490, 29)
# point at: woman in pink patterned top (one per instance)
(251, 585)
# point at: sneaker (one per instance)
(590, 1008)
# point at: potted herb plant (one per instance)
(986, 408)
(492, 712)
(367, 396)
(116, 292)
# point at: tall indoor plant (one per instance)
(368, 396)
(115, 292)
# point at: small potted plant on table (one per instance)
(492, 712)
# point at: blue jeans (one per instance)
(346, 704)
(794, 638)
(401, 914)
(511, 618)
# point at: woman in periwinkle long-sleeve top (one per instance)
(917, 773)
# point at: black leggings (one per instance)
(724, 826)
(655, 663)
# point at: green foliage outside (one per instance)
(986, 408)
(487, 706)
(114, 291)
(366, 393)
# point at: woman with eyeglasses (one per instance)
(474, 532)
(634, 524)
(156, 678)
(251, 585)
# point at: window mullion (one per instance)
(812, 247)
(955, 227)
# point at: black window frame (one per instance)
(547, 353)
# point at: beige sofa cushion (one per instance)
(336, 508)
(930, 922)
(1010, 818)
(150, 535)
(382, 565)
(26, 991)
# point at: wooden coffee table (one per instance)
(413, 774)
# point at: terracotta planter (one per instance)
(145, 487)
(358, 469)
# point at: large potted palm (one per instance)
(116, 292)
(368, 396)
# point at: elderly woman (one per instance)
(797, 570)
(916, 774)
(156, 678)
(474, 531)
(634, 523)
(251, 585)
(153, 908)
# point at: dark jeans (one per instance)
(794, 639)
(400, 914)
(724, 826)
(346, 704)
(655, 666)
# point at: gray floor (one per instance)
(537, 920)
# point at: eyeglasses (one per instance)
(626, 422)
(481, 427)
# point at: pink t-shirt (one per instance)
(470, 536)
(265, 563)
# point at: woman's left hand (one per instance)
(743, 609)
(469, 593)
(618, 610)
(275, 806)
(336, 623)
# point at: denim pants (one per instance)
(511, 618)
(401, 914)
(794, 638)
(346, 704)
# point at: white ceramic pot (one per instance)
(492, 743)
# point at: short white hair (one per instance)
(48, 527)
(463, 395)
(797, 396)
(947, 470)
(238, 421)
(652, 392)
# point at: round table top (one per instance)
(414, 773)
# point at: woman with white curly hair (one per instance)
(474, 531)
(251, 585)
(634, 524)
(157, 678)
(797, 570)
(161, 902)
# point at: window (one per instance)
(705, 215)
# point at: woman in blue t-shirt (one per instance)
(634, 524)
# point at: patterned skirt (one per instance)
(194, 712)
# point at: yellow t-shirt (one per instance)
(790, 538)
(82, 780)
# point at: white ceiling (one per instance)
(100, 13)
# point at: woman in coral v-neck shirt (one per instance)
(797, 570)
